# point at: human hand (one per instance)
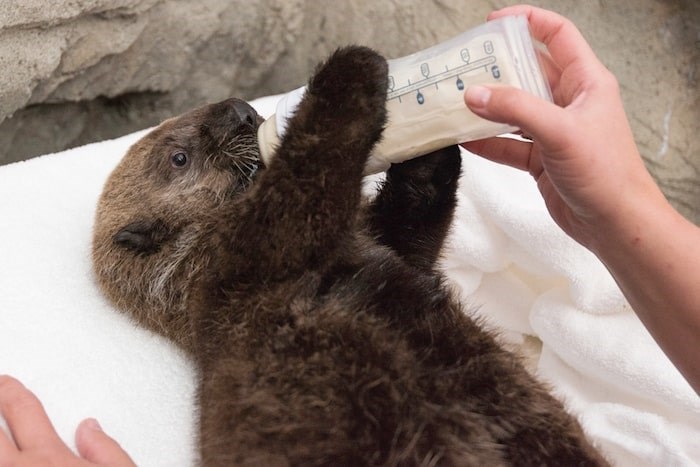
(583, 157)
(34, 441)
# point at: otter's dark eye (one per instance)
(178, 159)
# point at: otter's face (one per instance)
(159, 203)
(212, 147)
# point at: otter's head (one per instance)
(159, 204)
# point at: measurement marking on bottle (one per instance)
(397, 93)
(425, 70)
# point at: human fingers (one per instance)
(7, 446)
(95, 446)
(552, 73)
(25, 416)
(546, 122)
(508, 151)
(562, 38)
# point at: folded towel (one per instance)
(526, 277)
(83, 358)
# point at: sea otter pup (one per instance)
(321, 328)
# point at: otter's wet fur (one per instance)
(322, 330)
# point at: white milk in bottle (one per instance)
(425, 100)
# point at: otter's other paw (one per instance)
(433, 175)
(413, 210)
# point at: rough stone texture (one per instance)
(75, 71)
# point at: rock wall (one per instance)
(85, 70)
(76, 71)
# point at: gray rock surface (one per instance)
(76, 71)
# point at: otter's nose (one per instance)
(246, 114)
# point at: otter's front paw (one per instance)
(434, 173)
(351, 87)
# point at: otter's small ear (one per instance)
(145, 236)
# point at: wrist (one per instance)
(652, 253)
(635, 221)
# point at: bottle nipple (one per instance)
(268, 139)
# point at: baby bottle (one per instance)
(425, 101)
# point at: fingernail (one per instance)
(92, 424)
(478, 96)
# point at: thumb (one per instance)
(537, 117)
(95, 446)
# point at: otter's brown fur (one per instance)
(322, 330)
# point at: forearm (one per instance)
(654, 255)
(596, 186)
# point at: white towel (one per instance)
(526, 277)
(83, 358)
